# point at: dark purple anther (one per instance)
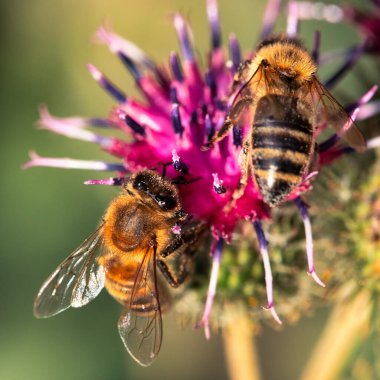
(235, 52)
(178, 164)
(131, 66)
(107, 84)
(98, 122)
(176, 67)
(317, 45)
(184, 37)
(210, 81)
(133, 124)
(237, 136)
(329, 143)
(209, 127)
(213, 19)
(354, 54)
(176, 120)
(173, 95)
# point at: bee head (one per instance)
(159, 189)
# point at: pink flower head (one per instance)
(184, 105)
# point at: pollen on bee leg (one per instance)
(263, 247)
(309, 240)
(216, 252)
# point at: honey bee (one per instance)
(139, 232)
(288, 103)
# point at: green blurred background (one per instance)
(48, 212)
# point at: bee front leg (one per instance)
(230, 121)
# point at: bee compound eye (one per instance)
(140, 184)
(166, 202)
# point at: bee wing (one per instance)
(329, 111)
(140, 326)
(75, 282)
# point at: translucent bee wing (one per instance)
(75, 282)
(140, 326)
(328, 111)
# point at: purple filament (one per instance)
(263, 247)
(216, 259)
(309, 240)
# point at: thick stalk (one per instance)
(347, 327)
(240, 350)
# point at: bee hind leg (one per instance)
(174, 281)
(230, 121)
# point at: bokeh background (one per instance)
(45, 213)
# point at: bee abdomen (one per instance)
(281, 152)
(121, 289)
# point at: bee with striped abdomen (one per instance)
(288, 104)
(142, 229)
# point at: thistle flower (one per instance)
(184, 105)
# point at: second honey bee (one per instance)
(288, 103)
(135, 237)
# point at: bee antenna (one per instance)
(181, 180)
(164, 166)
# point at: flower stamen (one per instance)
(263, 247)
(69, 163)
(106, 84)
(309, 240)
(216, 253)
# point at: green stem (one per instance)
(347, 327)
(240, 350)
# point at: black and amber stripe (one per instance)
(281, 151)
(121, 282)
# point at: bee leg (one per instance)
(173, 246)
(230, 121)
(244, 163)
(173, 282)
